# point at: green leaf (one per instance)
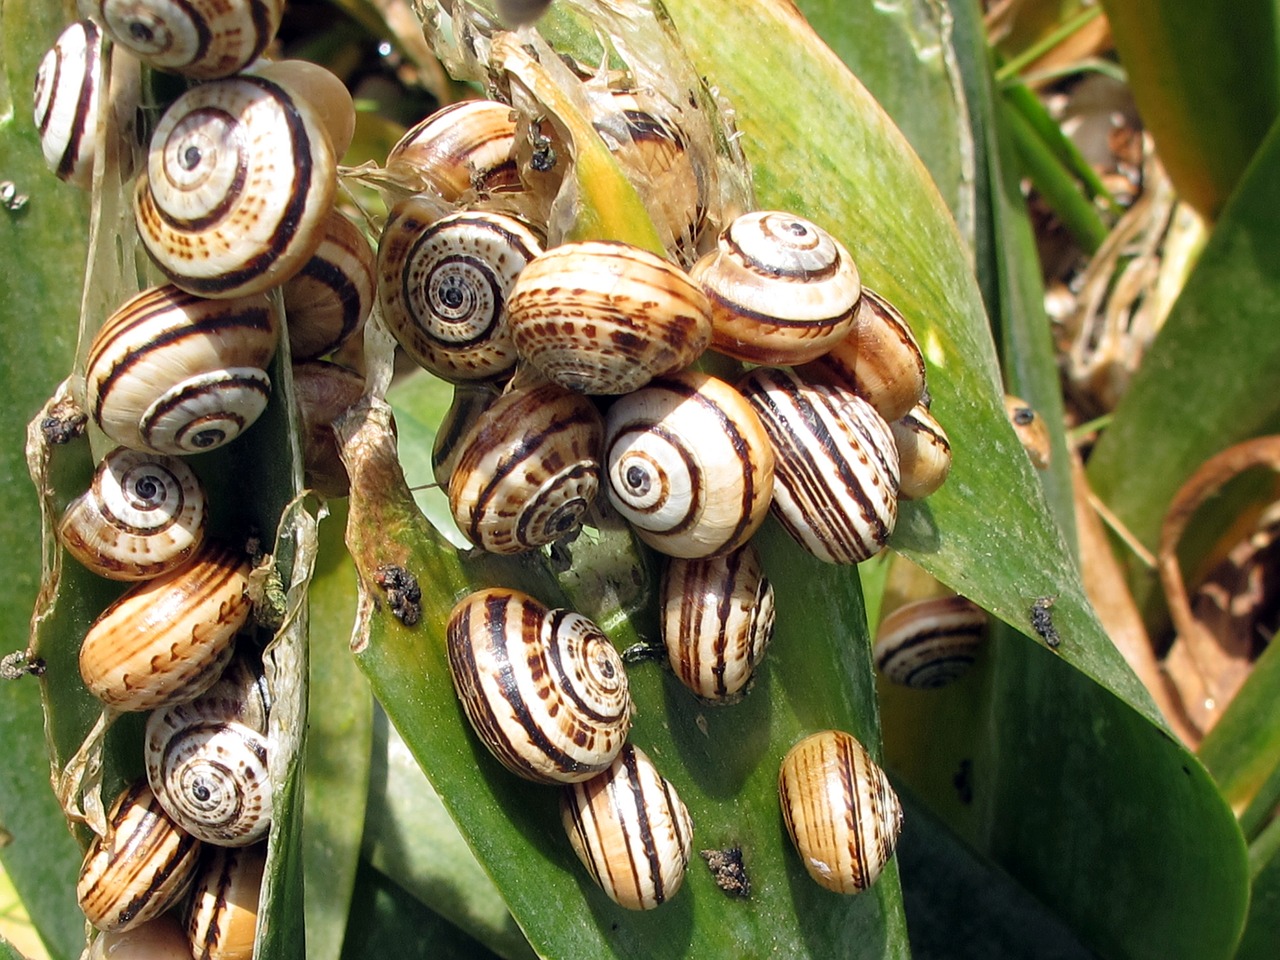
(8, 951)
(1262, 932)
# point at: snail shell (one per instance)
(203, 39)
(689, 465)
(444, 284)
(139, 867)
(836, 485)
(631, 831)
(143, 515)
(1032, 431)
(175, 373)
(168, 639)
(222, 919)
(528, 470)
(924, 453)
(66, 102)
(327, 302)
(161, 938)
(469, 402)
(929, 643)
(840, 810)
(717, 619)
(544, 689)
(327, 95)
(324, 391)
(879, 360)
(239, 180)
(782, 289)
(605, 318)
(466, 146)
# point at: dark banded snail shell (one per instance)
(68, 83)
(924, 453)
(327, 302)
(929, 643)
(222, 918)
(466, 146)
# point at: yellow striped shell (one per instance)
(924, 453)
(222, 918)
(929, 643)
(544, 689)
(631, 831)
(466, 146)
(66, 102)
(840, 811)
(327, 302)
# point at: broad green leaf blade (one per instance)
(1262, 932)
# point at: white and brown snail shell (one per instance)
(469, 402)
(604, 317)
(924, 453)
(929, 643)
(222, 918)
(139, 867)
(323, 392)
(1032, 431)
(544, 689)
(836, 483)
(168, 639)
(688, 464)
(468, 146)
(239, 180)
(327, 302)
(67, 90)
(717, 619)
(175, 373)
(528, 470)
(631, 831)
(840, 810)
(782, 289)
(143, 515)
(444, 284)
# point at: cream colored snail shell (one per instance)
(1032, 431)
(160, 938)
(139, 867)
(528, 470)
(782, 289)
(66, 102)
(171, 372)
(688, 464)
(840, 811)
(836, 484)
(631, 831)
(924, 453)
(605, 318)
(469, 402)
(327, 95)
(717, 620)
(143, 515)
(239, 180)
(327, 302)
(222, 918)
(929, 643)
(466, 146)
(544, 689)
(168, 639)
(323, 392)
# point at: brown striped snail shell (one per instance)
(840, 810)
(469, 402)
(444, 284)
(239, 180)
(924, 453)
(466, 146)
(327, 95)
(143, 515)
(327, 302)
(717, 619)
(879, 360)
(139, 867)
(782, 289)
(324, 391)
(203, 39)
(168, 639)
(929, 643)
(528, 470)
(1032, 431)
(544, 689)
(172, 372)
(222, 919)
(160, 938)
(605, 318)
(68, 85)
(631, 831)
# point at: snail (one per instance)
(68, 84)
(324, 391)
(717, 619)
(924, 453)
(239, 180)
(544, 689)
(836, 485)
(782, 289)
(688, 464)
(605, 317)
(143, 515)
(469, 402)
(444, 283)
(139, 867)
(327, 301)
(631, 831)
(840, 811)
(161, 938)
(168, 639)
(879, 360)
(202, 39)
(1032, 431)
(222, 919)
(466, 146)
(528, 470)
(324, 92)
(929, 643)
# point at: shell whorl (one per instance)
(327, 302)
(67, 88)
(222, 918)
(466, 146)
(929, 643)
(924, 453)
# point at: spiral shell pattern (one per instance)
(836, 486)
(689, 465)
(631, 831)
(544, 689)
(222, 919)
(528, 470)
(782, 289)
(924, 453)
(143, 515)
(929, 643)
(466, 146)
(444, 285)
(66, 102)
(327, 302)
(239, 180)
(840, 810)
